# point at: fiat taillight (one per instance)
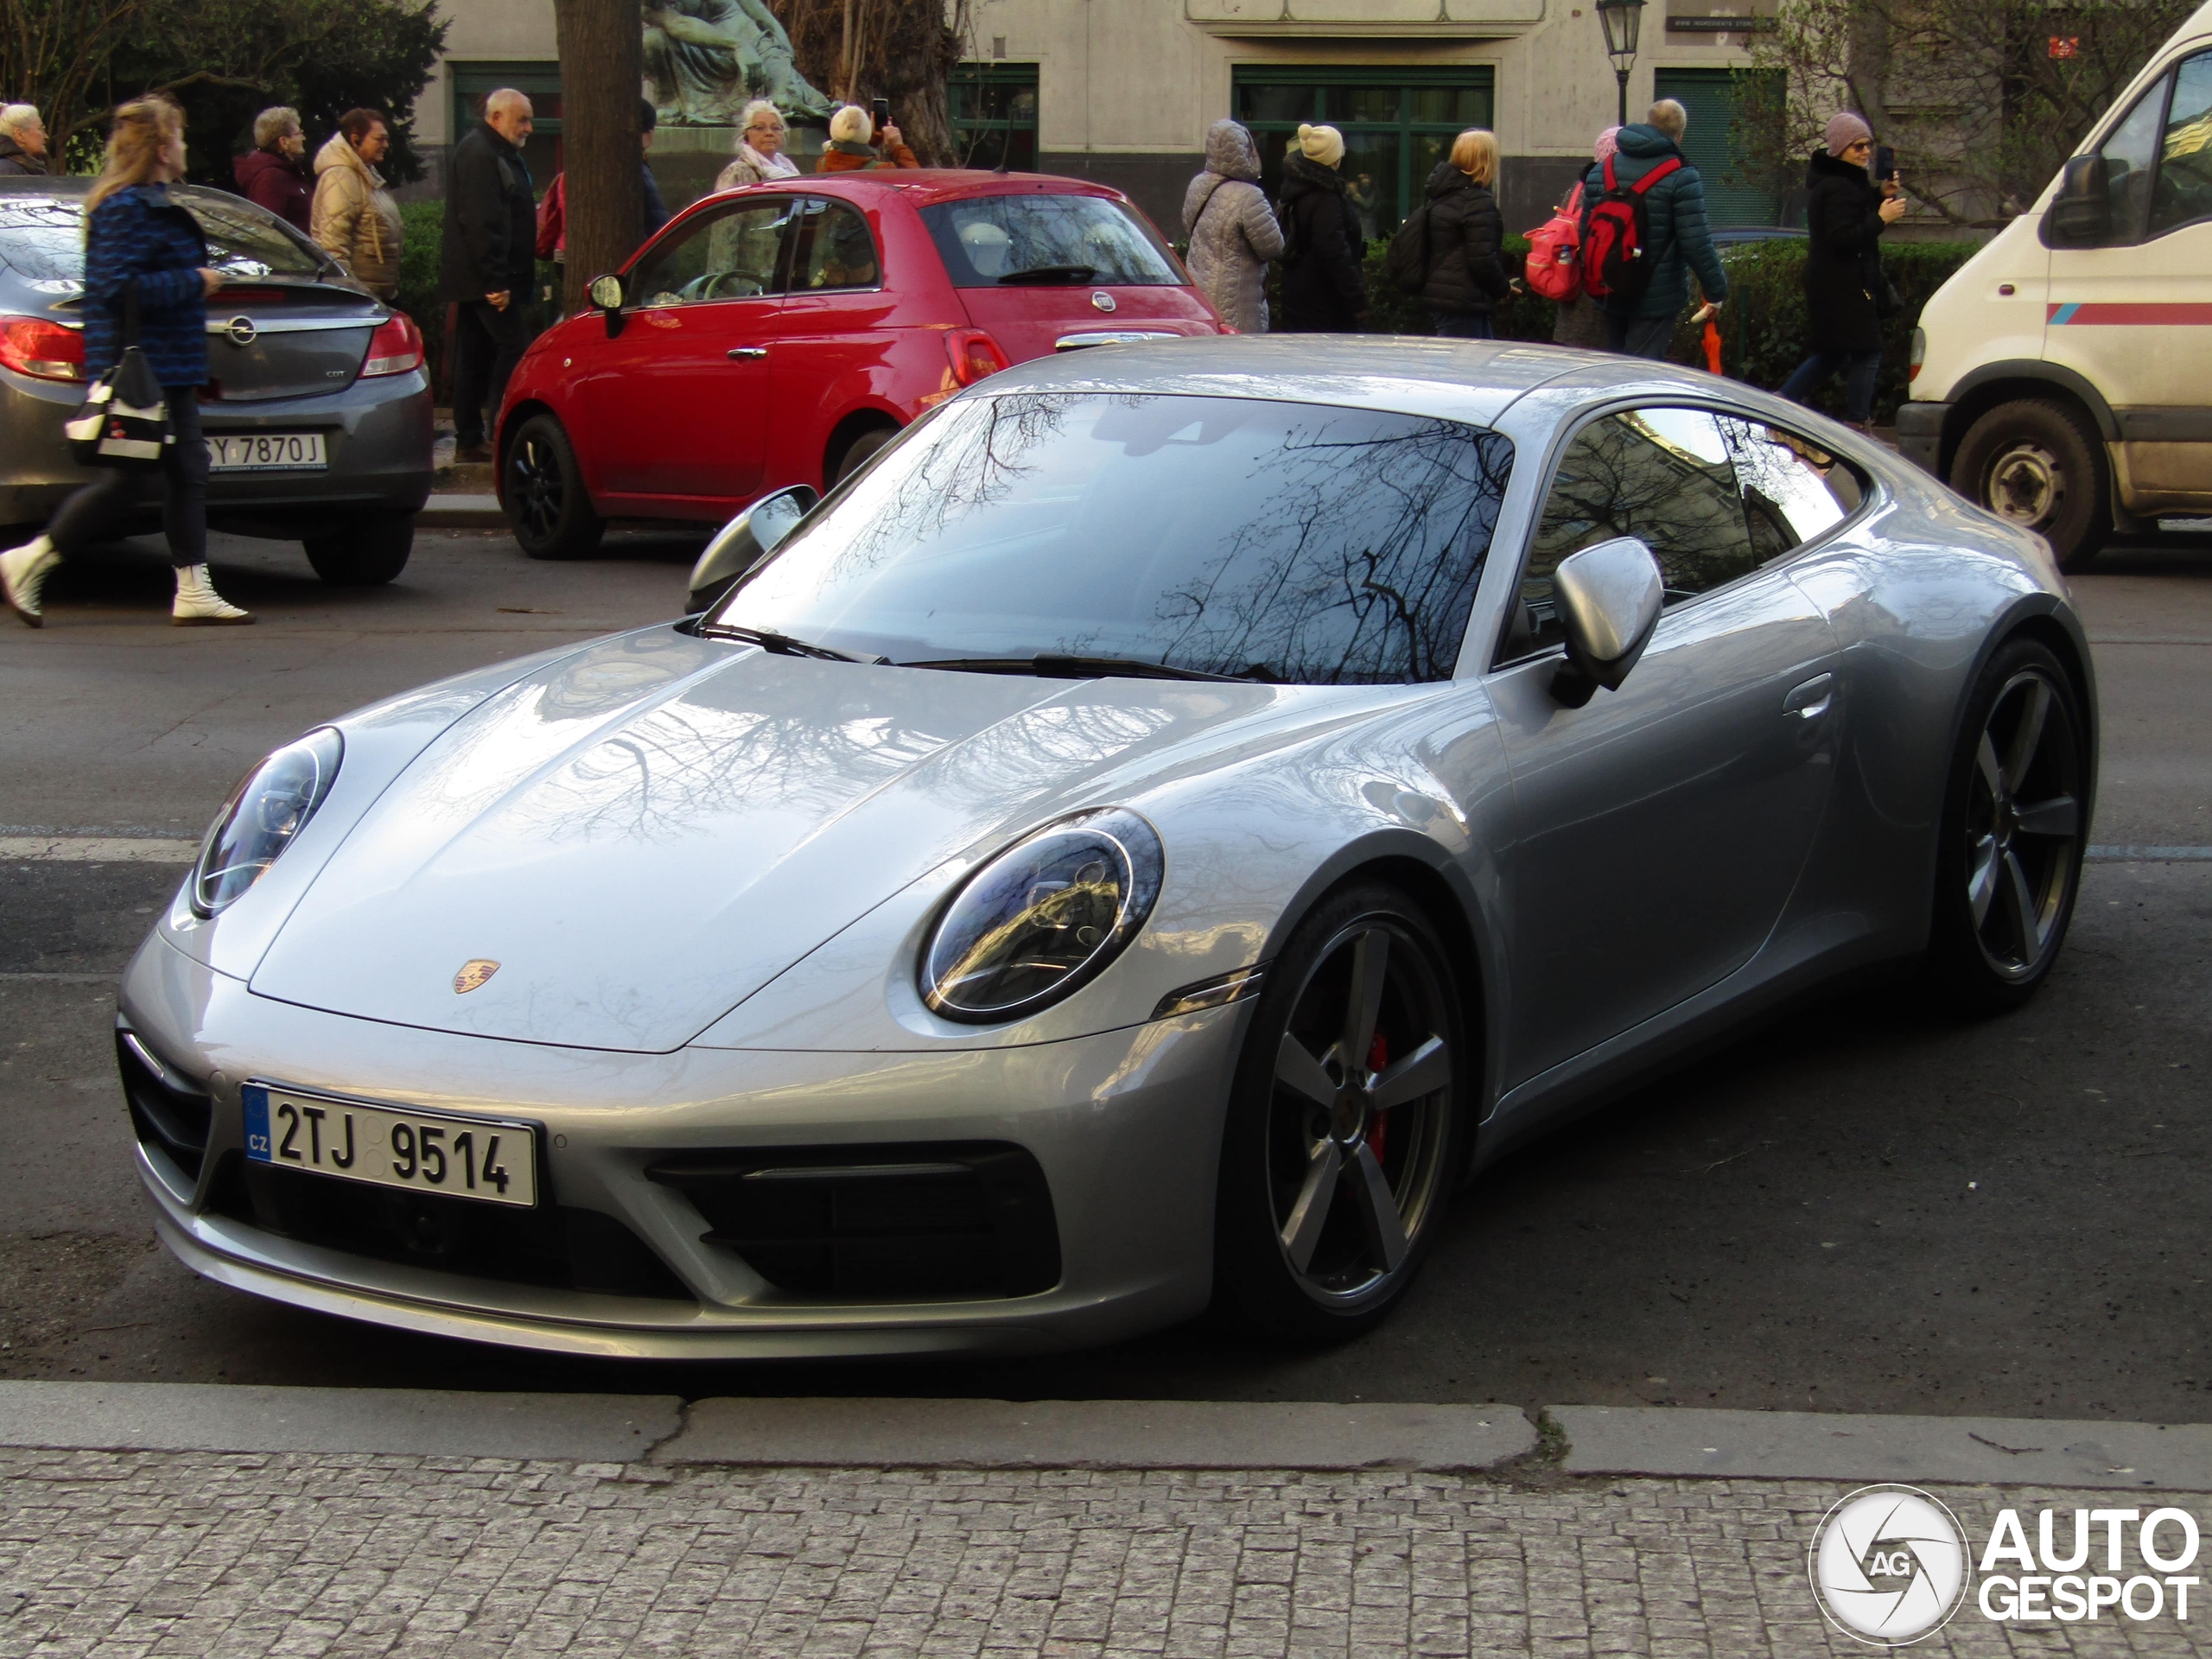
(42, 349)
(974, 354)
(395, 348)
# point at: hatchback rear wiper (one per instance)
(782, 644)
(1052, 274)
(1054, 665)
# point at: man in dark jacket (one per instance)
(274, 174)
(22, 142)
(1323, 289)
(1466, 278)
(1680, 240)
(487, 262)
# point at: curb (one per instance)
(456, 512)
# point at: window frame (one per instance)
(1873, 494)
(702, 222)
(974, 76)
(787, 265)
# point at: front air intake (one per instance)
(168, 1109)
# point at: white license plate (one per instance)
(266, 451)
(416, 1151)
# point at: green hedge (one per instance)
(1761, 327)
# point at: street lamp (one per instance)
(1621, 19)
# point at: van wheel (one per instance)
(2037, 464)
(363, 554)
(859, 453)
(545, 494)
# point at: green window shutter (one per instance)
(1710, 96)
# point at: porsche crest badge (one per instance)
(474, 974)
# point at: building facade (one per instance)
(1123, 91)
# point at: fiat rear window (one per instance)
(1041, 240)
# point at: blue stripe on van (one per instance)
(2064, 315)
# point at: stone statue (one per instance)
(706, 59)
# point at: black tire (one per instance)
(2037, 463)
(858, 454)
(544, 493)
(1284, 1146)
(364, 555)
(2015, 825)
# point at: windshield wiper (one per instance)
(782, 644)
(1052, 274)
(1054, 665)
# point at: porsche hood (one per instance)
(617, 850)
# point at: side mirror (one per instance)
(2082, 211)
(1608, 598)
(606, 293)
(745, 541)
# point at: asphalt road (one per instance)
(1856, 1208)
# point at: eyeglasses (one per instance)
(1859, 143)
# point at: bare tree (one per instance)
(600, 44)
(902, 50)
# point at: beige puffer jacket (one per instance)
(355, 217)
(1233, 231)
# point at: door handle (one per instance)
(1810, 700)
(748, 354)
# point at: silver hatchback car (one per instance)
(318, 417)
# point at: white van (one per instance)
(2063, 377)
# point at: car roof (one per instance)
(926, 185)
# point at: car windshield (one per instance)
(43, 238)
(1285, 542)
(988, 241)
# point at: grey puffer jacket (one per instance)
(1232, 229)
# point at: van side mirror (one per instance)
(745, 541)
(2082, 211)
(1608, 598)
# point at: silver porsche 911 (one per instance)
(1146, 841)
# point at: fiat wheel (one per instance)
(1344, 1129)
(2013, 831)
(544, 493)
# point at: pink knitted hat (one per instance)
(1844, 131)
(1608, 142)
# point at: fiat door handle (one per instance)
(1810, 700)
(746, 353)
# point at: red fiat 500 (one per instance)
(783, 333)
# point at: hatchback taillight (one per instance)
(974, 354)
(395, 348)
(41, 349)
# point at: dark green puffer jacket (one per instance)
(1674, 212)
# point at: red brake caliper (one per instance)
(1378, 1127)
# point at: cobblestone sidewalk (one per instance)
(159, 1554)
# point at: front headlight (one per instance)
(1043, 917)
(259, 821)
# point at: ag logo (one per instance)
(472, 975)
(1889, 1565)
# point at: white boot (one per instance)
(22, 573)
(197, 604)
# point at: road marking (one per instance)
(58, 979)
(97, 849)
(2149, 639)
(2148, 854)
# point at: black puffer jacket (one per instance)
(1323, 291)
(1465, 231)
(1843, 259)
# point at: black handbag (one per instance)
(125, 419)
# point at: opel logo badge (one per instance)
(473, 974)
(1101, 299)
(240, 331)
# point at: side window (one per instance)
(726, 255)
(2184, 188)
(2130, 155)
(1793, 489)
(833, 250)
(1665, 475)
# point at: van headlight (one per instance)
(1043, 917)
(262, 817)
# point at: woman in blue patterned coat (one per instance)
(134, 236)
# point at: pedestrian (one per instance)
(656, 214)
(1323, 288)
(486, 262)
(139, 243)
(22, 142)
(1678, 241)
(760, 149)
(1232, 231)
(552, 239)
(1466, 277)
(1845, 213)
(273, 173)
(1581, 321)
(853, 141)
(355, 218)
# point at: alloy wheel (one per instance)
(1359, 1113)
(2026, 485)
(534, 485)
(2023, 821)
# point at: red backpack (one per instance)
(1613, 266)
(1555, 252)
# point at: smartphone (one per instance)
(880, 112)
(1886, 162)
